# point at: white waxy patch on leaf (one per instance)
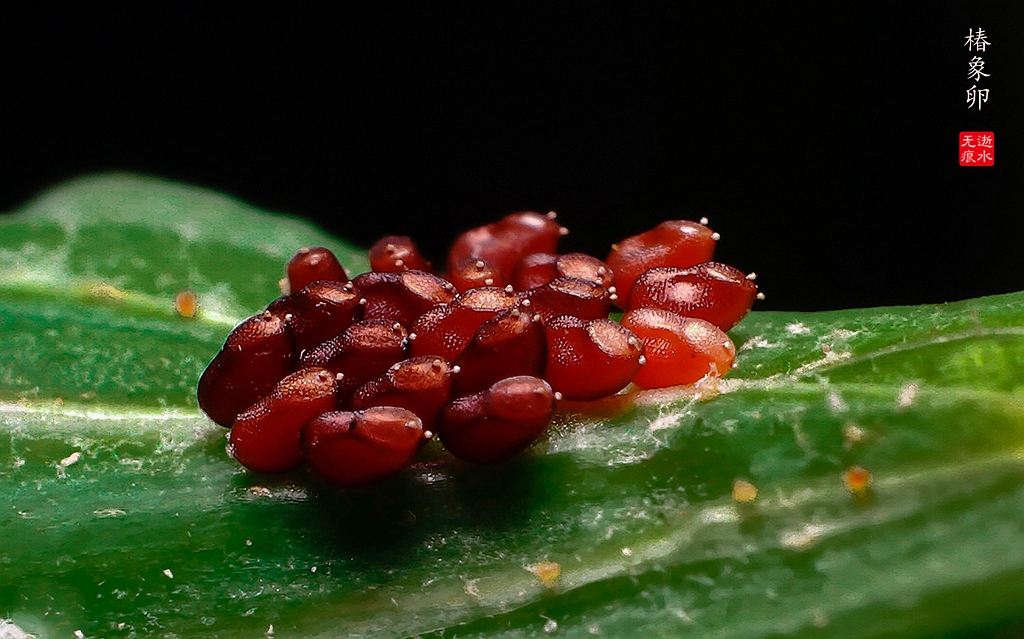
(907, 394)
(798, 328)
(719, 515)
(805, 537)
(757, 341)
(836, 404)
(10, 630)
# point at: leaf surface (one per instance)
(122, 515)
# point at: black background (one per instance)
(819, 138)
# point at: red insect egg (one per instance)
(397, 253)
(678, 243)
(585, 267)
(678, 350)
(475, 273)
(569, 296)
(318, 312)
(256, 355)
(446, 331)
(718, 293)
(488, 299)
(314, 264)
(265, 437)
(419, 384)
(363, 352)
(352, 449)
(536, 269)
(402, 297)
(510, 344)
(508, 240)
(590, 360)
(493, 425)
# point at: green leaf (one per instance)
(121, 514)
(88, 276)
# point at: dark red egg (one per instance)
(505, 242)
(590, 360)
(352, 449)
(510, 344)
(363, 352)
(314, 264)
(257, 354)
(535, 269)
(265, 436)
(494, 424)
(475, 273)
(446, 331)
(402, 297)
(419, 384)
(568, 296)
(397, 253)
(318, 312)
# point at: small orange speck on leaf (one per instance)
(186, 303)
(743, 491)
(857, 480)
(547, 571)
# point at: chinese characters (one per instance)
(974, 94)
(976, 42)
(977, 148)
